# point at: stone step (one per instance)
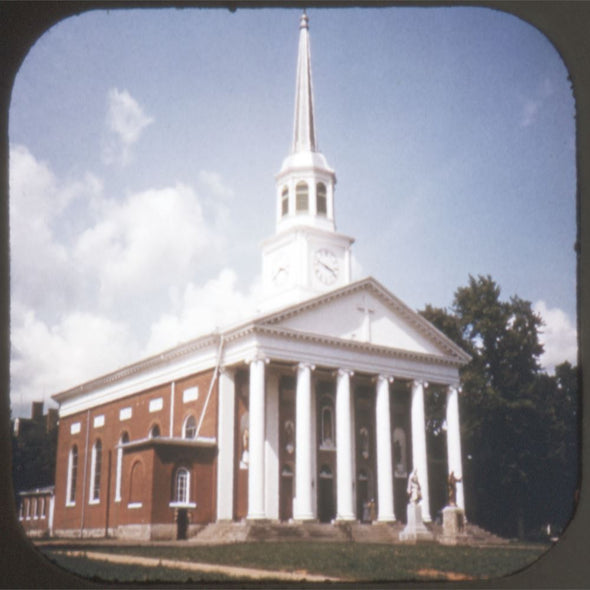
(240, 532)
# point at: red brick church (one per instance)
(308, 411)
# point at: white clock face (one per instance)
(325, 266)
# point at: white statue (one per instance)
(414, 491)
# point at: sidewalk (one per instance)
(229, 570)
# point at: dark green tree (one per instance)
(513, 415)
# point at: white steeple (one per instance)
(304, 128)
(306, 256)
(305, 183)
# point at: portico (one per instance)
(325, 430)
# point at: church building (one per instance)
(307, 411)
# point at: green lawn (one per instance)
(362, 562)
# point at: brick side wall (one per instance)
(135, 415)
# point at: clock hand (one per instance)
(328, 267)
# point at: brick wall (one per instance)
(167, 408)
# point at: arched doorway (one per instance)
(362, 494)
(286, 493)
(326, 503)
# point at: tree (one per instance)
(513, 415)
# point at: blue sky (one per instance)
(144, 146)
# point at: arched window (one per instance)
(284, 201)
(289, 436)
(123, 440)
(400, 461)
(154, 431)
(136, 483)
(72, 476)
(182, 486)
(95, 470)
(321, 199)
(327, 423)
(301, 197)
(189, 429)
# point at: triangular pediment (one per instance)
(366, 312)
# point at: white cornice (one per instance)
(153, 362)
(386, 297)
(240, 340)
(365, 347)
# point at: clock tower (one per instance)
(306, 256)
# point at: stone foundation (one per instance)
(453, 525)
(415, 529)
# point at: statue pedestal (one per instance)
(453, 525)
(415, 530)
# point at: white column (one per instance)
(384, 470)
(303, 509)
(256, 441)
(454, 441)
(225, 460)
(344, 475)
(419, 445)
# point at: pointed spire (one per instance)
(304, 128)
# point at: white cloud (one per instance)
(214, 185)
(38, 240)
(125, 122)
(49, 358)
(558, 336)
(530, 110)
(216, 304)
(148, 242)
(99, 282)
(531, 107)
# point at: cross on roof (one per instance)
(366, 324)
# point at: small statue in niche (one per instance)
(414, 490)
(364, 440)
(289, 436)
(452, 488)
(245, 440)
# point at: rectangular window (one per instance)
(156, 404)
(75, 428)
(42, 507)
(28, 508)
(125, 414)
(190, 395)
(21, 510)
(98, 421)
(35, 515)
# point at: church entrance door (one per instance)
(182, 524)
(286, 494)
(362, 496)
(326, 504)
